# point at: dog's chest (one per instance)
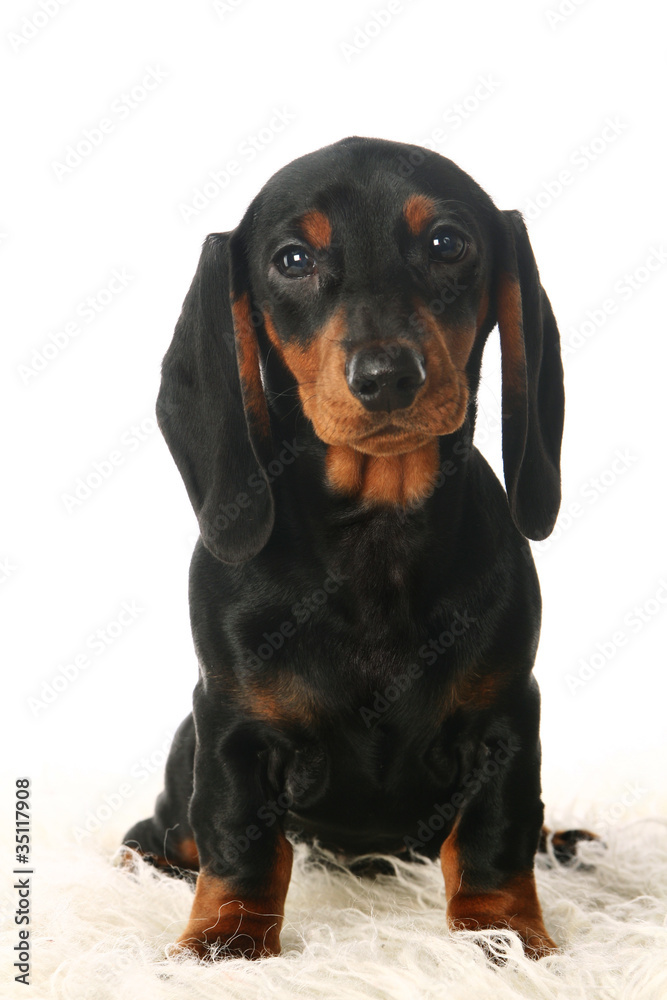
(346, 644)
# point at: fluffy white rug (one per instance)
(100, 931)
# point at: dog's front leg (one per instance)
(488, 858)
(245, 859)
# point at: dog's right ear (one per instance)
(211, 407)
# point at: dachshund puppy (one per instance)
(364, 606)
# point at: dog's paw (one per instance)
(213, 948)
(536, 942)
(562, 845)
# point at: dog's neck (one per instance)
(403, 479)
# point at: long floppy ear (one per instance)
(211, 406)
(532, 394)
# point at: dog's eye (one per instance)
(447, 245)
(295, 262)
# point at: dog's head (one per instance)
(372, 273)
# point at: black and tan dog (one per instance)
(364, 606)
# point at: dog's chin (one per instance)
(388, 442)
(392, 439)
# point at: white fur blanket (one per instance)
(99, 932)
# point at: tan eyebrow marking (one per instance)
(316, 227)
(418, 211)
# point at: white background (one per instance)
(511, 92)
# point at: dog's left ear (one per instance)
(532, 394)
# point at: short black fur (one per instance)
(360, 664)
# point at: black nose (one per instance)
(385, 378)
